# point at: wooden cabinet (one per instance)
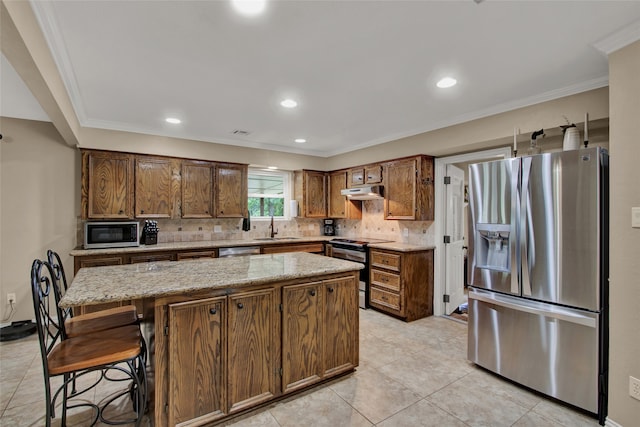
(301, 335)
(316, 248)
(373, 174)
(252, 348)
(409, 190)
(197, 189)
(338, 206)
(107, 185)
(182, 256)
(152, 257)
(401, 283)
(364, 175)
(231, 190)
(340, 352)
(310, 190)
(319, 331)
(153, 187)
(197, 361)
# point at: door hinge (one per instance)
(166, 408)
(445, 298)
(280, 308)
(447, 239)
(166, 330)
(447, 180)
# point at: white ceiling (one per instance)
(363, 72)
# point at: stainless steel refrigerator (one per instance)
(538, 295)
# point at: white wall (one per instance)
(624, 349)
(40, 202)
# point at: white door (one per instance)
(454, 228)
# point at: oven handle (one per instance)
(348, 255)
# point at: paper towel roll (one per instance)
(293, 208)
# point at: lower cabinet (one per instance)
(319, 331)
(229, 353)
(401, 283)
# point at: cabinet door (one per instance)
(400, 190)
(252, 348)
(337, 203)
(107, 185)
(373, 174)
(356, 177)
(197, 360)
(197, 190)
(301, 335)
(153, 188)
(340, 348)
(315, 194)
(231, 191)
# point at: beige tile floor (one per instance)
(410, 374)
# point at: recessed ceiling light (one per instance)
(249, 7)
(289, 103)
(272, 167)
(446, 82)
(300, 140)
(173, 120)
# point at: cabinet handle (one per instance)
(330, 289)
(312, 293)
(120, 211)
(222, 212)
(240, 305)
(213, 311)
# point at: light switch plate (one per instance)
(635, 217)
(217, 229)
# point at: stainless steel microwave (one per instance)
(98, 235)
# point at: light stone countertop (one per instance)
(98, 285)
(401, 247)
(204, 244)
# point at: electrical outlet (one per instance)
(634, 388)
(11, 298)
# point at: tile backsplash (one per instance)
(372, 225)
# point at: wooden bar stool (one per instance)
(76, 325)
(116, 349)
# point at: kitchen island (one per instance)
(228, 334)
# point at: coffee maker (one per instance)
(329, 227)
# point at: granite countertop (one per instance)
(97, 285)
(401, 247)
(205, 244)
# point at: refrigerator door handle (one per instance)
(539, 309)
(524, 227)
(515, 219)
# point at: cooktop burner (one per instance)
(361, 241)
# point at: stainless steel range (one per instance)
(355, 250)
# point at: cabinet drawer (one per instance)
(385, 279)
(385, 260)
(311, 247)
(136, 259)
(384, 298)
(194, 255)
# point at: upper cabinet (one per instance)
(197, 189)
(338, 206)
(310, 191)
(107, 185)
(231, 190)
(153, 187)
(409, 190)
(365, 175)
(124, 186)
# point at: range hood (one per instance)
(368, 192)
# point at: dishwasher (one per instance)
(238, 251)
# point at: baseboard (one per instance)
(610, 423)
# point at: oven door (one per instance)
(361, 257)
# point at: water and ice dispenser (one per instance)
(492, 246)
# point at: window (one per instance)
(269, 193)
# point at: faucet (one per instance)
(273, 232)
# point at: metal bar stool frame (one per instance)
(53, 341)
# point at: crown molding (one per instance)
(621, 38)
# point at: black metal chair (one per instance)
(76, 325)
(117, 349)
